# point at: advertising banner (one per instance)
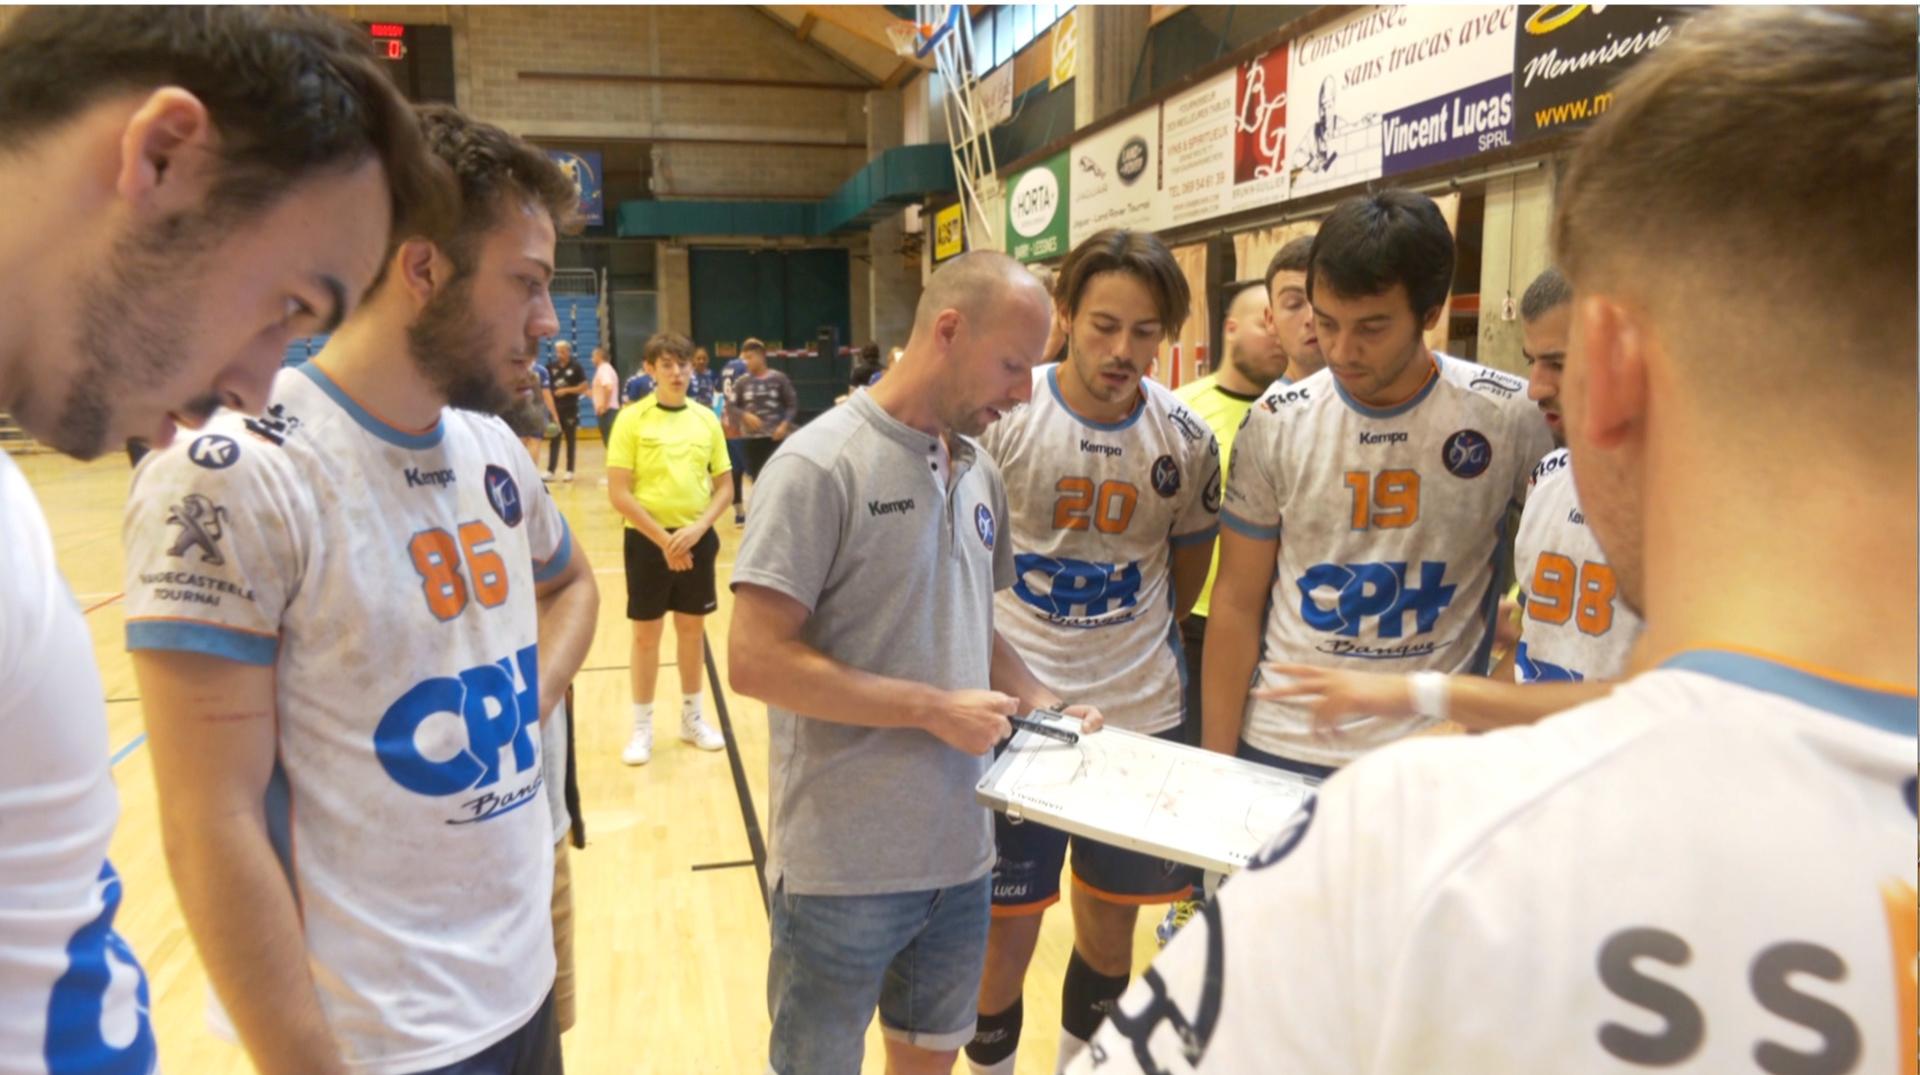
(1116, 177)
(1353, 74)
(1260, 130)
(1196, 134)
(584, 170)
(949, 232)
(1037, 211)
(1567, 57)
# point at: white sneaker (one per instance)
(694, 729)
(639, 748)
(566, 476)
(546, 476)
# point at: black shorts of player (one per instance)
(1026, 868)
(759, 450)
(653, 591)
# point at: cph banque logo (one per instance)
(1033, 201)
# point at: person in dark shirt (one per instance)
(569, 384)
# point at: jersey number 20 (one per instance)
(436, 556)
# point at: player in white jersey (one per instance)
(1577, 630)
(1711, 870)
(1369, 500)
(347, 619)
(1113, 487)
(189, 189)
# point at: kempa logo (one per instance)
(440, 478)
(1034, 200)
(1108, 450)
(1382, 438)
(889, 507)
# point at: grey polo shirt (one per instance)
(899, 574)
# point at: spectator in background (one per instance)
(700, 389)
(606, 392)
(638, 387)
(666, 470)
(764, 404)
(569, 384)
(734, 369)
(866, 367)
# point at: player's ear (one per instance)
(421, 268)
(168, 139)
(1612, 341)
(1433, 318)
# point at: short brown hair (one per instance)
(294, 93)
(493, 170)
(753, 345)
(1771, 152)
(667, 345)
(1137, 253)
(1293, 256)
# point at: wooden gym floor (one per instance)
(670, 935)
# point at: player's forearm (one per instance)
(1010, 675)
(567, 616)
(794, 676)
(719, 502)
(1226, 671)
(1190, 564)
(1480, 704)
(237, 903)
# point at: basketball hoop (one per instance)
(905, 37)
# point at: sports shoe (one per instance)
(566, 476)
(546, 476)
(694, 729)
(639, 748)
(1179, 913)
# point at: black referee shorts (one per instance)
(653, 590)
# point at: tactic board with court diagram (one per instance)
(1145, 794)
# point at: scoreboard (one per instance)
(418, 57)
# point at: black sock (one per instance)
(1086, 997)
(996, 1036)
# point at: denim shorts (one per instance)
(917, 956)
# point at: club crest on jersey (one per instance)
(213, 451)
(504, 494)
(1467, 454)
(1165, 476)
(1210, 496)
(201, 523)
(983, 523)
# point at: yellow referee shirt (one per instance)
(674, 453)
(1222, 410)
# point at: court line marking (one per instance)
(121, 754)
(89, 610)
(723, 865)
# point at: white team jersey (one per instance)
(1390, 526)
(1709, 871)
(1577, 625)
(1096, 511)
(73, 1000)
(388, 578)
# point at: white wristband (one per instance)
(1429, 690)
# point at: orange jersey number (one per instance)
(1562, 591)
(1109, 508)
(1389, 500)
(436, 556)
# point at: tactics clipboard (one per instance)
(1146, 794)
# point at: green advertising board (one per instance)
(1037, 211)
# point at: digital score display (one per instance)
(389, 40)
(418, 55)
